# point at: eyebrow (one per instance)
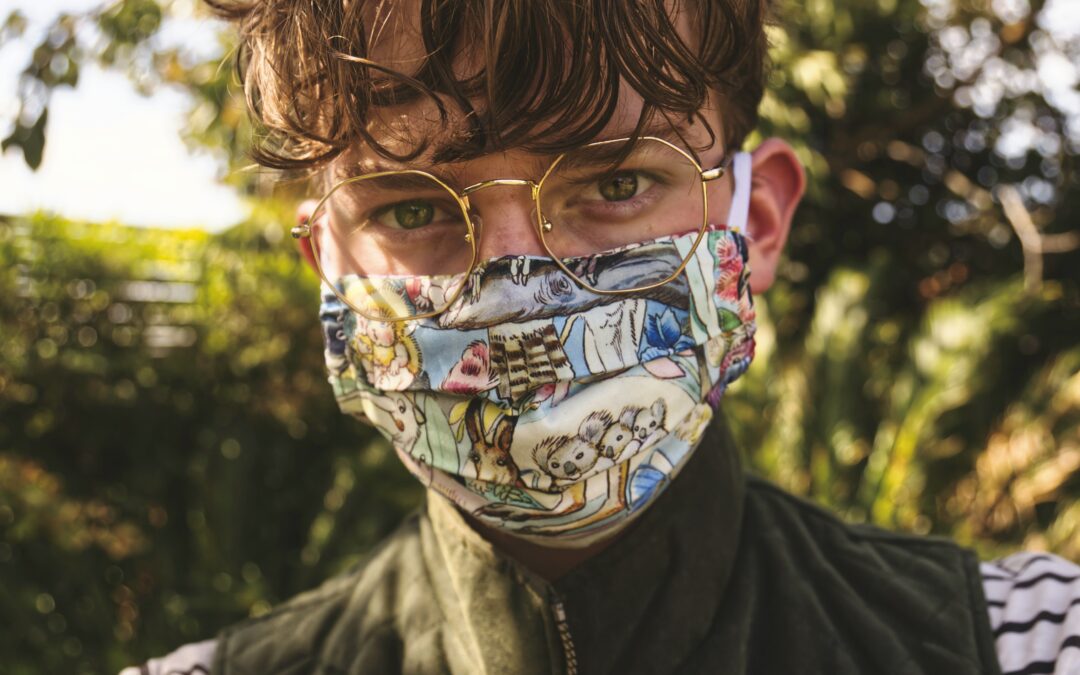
(448, 173)
(659, 128)
(404, 181)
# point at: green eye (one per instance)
(415, 213)
(619, 187)
(408, 215)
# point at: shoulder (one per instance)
(872, 562)
(360, 607)
(872, 585)
(366, 596)
(829, 531)
(191, 659)
(1034, 605)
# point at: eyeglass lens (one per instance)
(383, 235)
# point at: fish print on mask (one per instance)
(538, 406)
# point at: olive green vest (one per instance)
(723, 574)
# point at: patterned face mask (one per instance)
(544, 409)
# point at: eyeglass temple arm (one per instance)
(718, 170)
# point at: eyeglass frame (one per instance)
(304, 230)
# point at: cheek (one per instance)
(718, 193)
(326, 247)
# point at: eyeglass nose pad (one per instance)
(477, 225)
(545, 224)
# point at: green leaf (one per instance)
(729, 320)
(31, 139)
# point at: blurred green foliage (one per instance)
(171, 459)
(171, 456)
(919, 366)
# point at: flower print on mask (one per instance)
(664, 338)
(472, 374)
(728, 270)
(553, 392)
(731, 355)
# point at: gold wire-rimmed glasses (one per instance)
(399, 245)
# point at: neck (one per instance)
(548, 562)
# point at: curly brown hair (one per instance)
(547, 73)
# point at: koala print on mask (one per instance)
(567, 457)
(649, 421)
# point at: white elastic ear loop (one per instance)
(740, 201)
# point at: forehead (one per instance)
(396, 41)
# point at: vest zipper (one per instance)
(543, 588)
(564, 634)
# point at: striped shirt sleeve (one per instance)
(1034, 604)
(191, 659)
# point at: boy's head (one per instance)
(407, 111)
(495, 88)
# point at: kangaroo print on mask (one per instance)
(538, 406)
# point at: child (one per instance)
(539, 244)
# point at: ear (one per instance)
(473, 422)
(592, 427)
(659, 408)
(303, 215)
(420, 419)
(777, 186)
(384, 404)
(504, 434)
